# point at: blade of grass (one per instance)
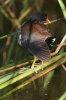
(11, 48)
(47, 79)
(3, 11)
(63, 97)
(63, 8)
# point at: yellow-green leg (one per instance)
(42, 65)
(33, 65)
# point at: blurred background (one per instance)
(12, 14)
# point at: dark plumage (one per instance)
(35, 37)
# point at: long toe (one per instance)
(33, 68)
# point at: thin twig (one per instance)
(16, 66)
(64, 67)
(59, 47)
(53, 21)
(13, 17)
(25, 14)
(5, 2)
(11, 14)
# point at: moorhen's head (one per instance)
(35, 37)
(39, 17)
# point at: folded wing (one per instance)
(40, 50)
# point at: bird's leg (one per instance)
(59, 47)
(42, 65)
(33, 64)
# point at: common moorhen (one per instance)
(35, 37)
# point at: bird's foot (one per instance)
(33, 68)
(33, 64)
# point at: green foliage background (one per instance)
(12, 14)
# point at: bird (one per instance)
(36, 38)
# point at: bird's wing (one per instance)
(40, 50)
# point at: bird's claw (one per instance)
(34, 69)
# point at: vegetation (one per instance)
(15, 62)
